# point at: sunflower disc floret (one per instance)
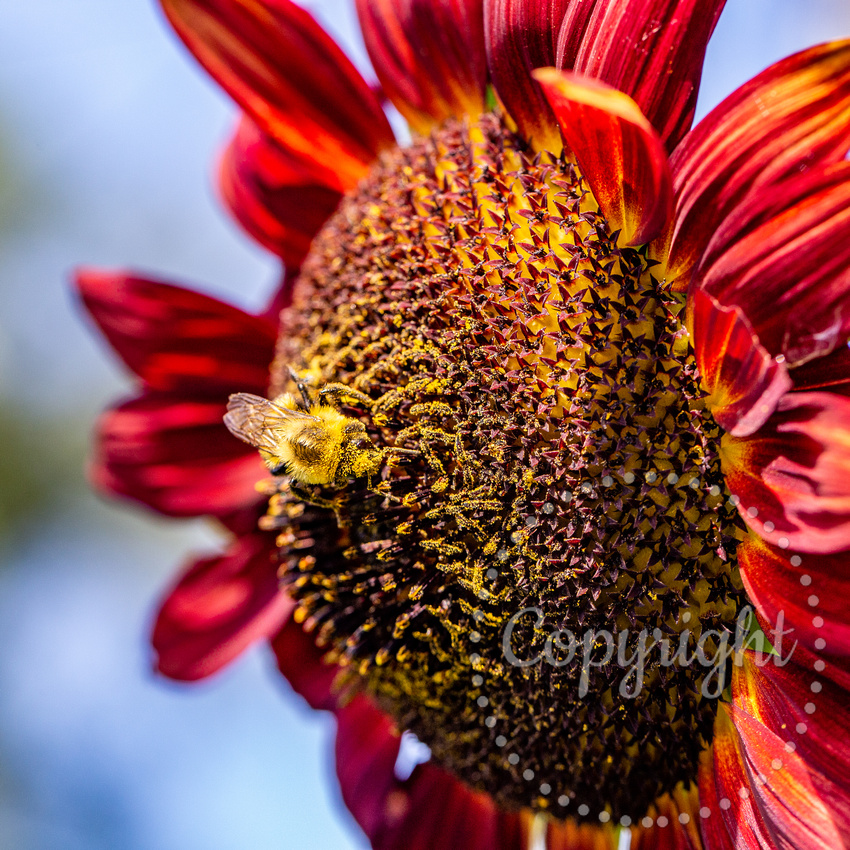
(565, 466)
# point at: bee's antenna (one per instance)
(302, 387)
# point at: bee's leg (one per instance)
(336, 505)
(312, 498)
(340, 392)
(302, 388)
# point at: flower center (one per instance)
(542, 591)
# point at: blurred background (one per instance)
(108, 132)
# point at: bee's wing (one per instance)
(257, 421)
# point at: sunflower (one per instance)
(603, 580)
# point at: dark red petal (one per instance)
(712, 825)
(302, 665)
(829, 661)
(289, 75)
(429, 56)
(816, 720)
(522, 35)
(177, 339)
(245, 520)
(570, 835)
(430, 809)
(366, 752)
(282, 296)
(617, 150)
(795, 473)
(653, 50)
(675, 823)
(271, 195)
(797, 747)
(793, 813)
(175, 455)
(783, 256)
(218, 608)
(744, 383)
(834, 667)
(831, 372)
(791, 117)
(804, 593)
(733, 821)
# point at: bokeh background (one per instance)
(108, 132)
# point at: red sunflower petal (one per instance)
(794, 733)
(712, 825)
(831, 372)
(282, 297)
(177, 339)
(675, 823)
(616, 148)
(804, 593)
(793, 116)
(653, 50)
(429, 809)
(366, 752)
(289, 75)
(744, 383)
(522, 35)
(302, 665)
(245, 520)
(834, 667)
(732, 821)
(218, 608)
(816, 719)
(787, 799)
(783, 257)
(271, 195)
(174, 455)
(795, 473)
(570, 835)
(429, 56)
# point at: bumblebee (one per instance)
(310, 441)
